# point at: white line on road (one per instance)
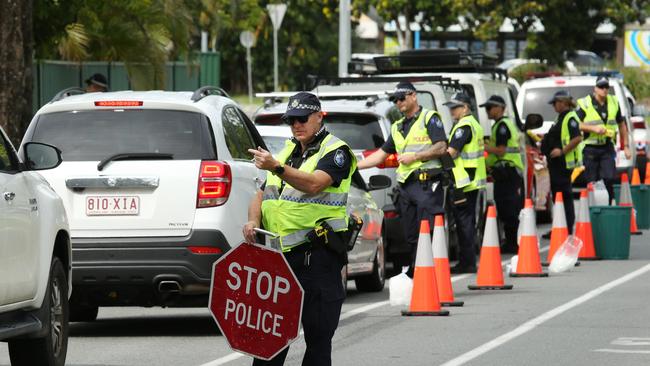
(645, 352)
(532, 324)
(348, 314)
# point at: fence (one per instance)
(51, 76)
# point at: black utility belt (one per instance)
(323, 236)
(425, 175)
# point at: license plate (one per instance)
(112, 205)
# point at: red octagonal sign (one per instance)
(256, 300)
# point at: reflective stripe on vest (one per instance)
(574, 158)
(292, 213)
(593, 118)
(513, 155)
(415, 141)
(472, 156)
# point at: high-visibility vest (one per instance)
(574, 158)
(291, 213)
(513, 155)
(593, 118)
(415, 141)
(471, 156)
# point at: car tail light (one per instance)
(639, 125)
(215, 181)
(204, 250)
(560, 81)
(390, 162)
(390, 214)
(118, 103)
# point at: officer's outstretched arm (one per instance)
(436, 150)
(373, 160)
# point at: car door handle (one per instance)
(9, 196)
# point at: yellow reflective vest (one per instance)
(513, 155)
(471, 156)
(593, 118)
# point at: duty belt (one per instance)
(289, 241)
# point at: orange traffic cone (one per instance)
(441, 263)
(583, 229)
(559, 230)
(490, 274)
(625, 199)
(529, 263)
(424, 298)
(647, 174)
(636, 179)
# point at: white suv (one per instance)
(156, 185)
(34, 258)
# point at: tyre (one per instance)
(51, 349)
(375, 281)
(82, 313)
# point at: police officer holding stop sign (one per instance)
(304, 201)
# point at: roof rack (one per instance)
(204, 91)
(442, 80)
(609, 73)
(75, 90)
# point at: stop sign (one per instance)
(256, 300)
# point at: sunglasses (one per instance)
(603, 87)
(300, 119)
(401, 98)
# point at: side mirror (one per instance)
(533, 121)
(639, 110)
(39, 156)
(379, 182)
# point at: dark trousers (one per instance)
(465, 216)
(600, 163)
(561, 182)
(509, 199)
(324, 293)
(418, 202)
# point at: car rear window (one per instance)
(96, 135)
(536, 100)
(359, 131)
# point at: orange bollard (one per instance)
(424, 298)
(529, 263)
(559, 230)
(490, 273)
(441, 264)
(625, 199)
(584, 231)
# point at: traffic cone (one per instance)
(625, 199)
(441, 263)
(583, 230)
(636, 179)
(424, 298)
(529, 263)
(591, 195)
(647, 174)
(490, 274)
(559, 230)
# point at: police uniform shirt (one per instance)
(461, 137)
(552, 139)
(336, 163)
(435, 130)
(503, 134)
(602, 112)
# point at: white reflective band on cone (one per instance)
(439, 242)
(559, 217)
(490, 236)
(424, 257)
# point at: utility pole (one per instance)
(276, 13)
(344, 37)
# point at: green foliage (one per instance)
(638, 81)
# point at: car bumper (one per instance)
(144, 271)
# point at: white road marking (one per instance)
(348, 314)
(532, 324)
(608, 350)
(631, 341)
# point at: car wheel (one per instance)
(375, 281)
(50, 349)
(82, 313)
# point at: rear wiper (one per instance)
(134, 156)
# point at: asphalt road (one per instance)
(595, 314)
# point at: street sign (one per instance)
(256, 300)
(276, 12)
(247, 39)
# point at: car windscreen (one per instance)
(96, 135)
(359, 131)
(536, 100)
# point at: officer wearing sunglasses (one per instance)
(419, 140)
(303, 200)
(601, 120)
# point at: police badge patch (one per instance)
(294, 104)
(339, 158)
(574, 124)
(459, 133)
(503, 130)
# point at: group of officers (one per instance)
(303, 199)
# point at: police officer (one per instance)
(96, 83)
(466, 148)
(601, 120)
(560, 145)
(506, 168)
(419, 140)
(303, 200)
